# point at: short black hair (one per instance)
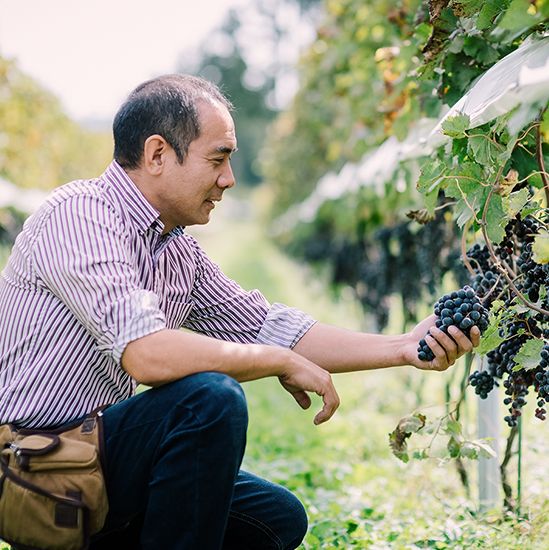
(167, 106)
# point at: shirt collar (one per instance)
(141, 210)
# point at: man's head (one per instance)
(166, 106)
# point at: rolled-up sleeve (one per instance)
(284, 326)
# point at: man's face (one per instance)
(191, 189)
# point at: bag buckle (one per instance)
(15, 448)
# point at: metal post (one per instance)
(489, 479)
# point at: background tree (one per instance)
(251, 57)
(40, 147)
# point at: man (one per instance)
(99, 283)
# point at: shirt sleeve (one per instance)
(224, 310)
(81, 254)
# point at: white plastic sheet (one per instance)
(521, 78)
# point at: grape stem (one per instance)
(463, 250)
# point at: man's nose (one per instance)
(226, 179)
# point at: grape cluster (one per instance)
(483, 382)
(485, 280)
(501, 360)
(461, 308)
(542, 383)
(516, 388)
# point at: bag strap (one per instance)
(91, 420)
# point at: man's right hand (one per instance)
(304, 377)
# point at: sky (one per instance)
(91, 54)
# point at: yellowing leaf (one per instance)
(540, 248)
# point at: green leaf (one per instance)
(540, 248)
(430, 202)
(517, 19)
(456, 45)
(454, 447)
(484, 448)
(468, 179)
(494, 216)
(472, 203)
(490, 340)
(466, 8)
(516, 202)
(485, 151)
(479, 448)
(528, 357)
(456, 126)
(490, 10)
(431, 176)
(452, 427)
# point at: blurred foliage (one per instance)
(376, 71)
(229, 58)
(40, 147)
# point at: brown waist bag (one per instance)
(52, 490)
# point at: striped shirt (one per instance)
(91, 272)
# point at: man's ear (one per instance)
(154, 154)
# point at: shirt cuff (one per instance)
(139, 316)
(284, 326)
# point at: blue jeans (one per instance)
(173, 475)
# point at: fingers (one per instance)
(331, 403)
(303, 399)
(311, 378)
(449, 347)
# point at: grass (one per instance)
(357, 494)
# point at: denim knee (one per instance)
(298, 524)
(213, 397)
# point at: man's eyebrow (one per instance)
(226, 150)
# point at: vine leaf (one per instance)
(490, 340)
(485, 151)
(421, 216)
(471, 204)
(517, 18)
(452, 426)
(540, 248)
(455, 126)
(468, 178)
(517, 201)
(507, 184)
(494, 216)
(490, 10)
(478, 448)
(466, 8)
(397, 439)
(432, 174)
(528, 357)
(454, 447)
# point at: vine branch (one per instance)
(541, 162)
